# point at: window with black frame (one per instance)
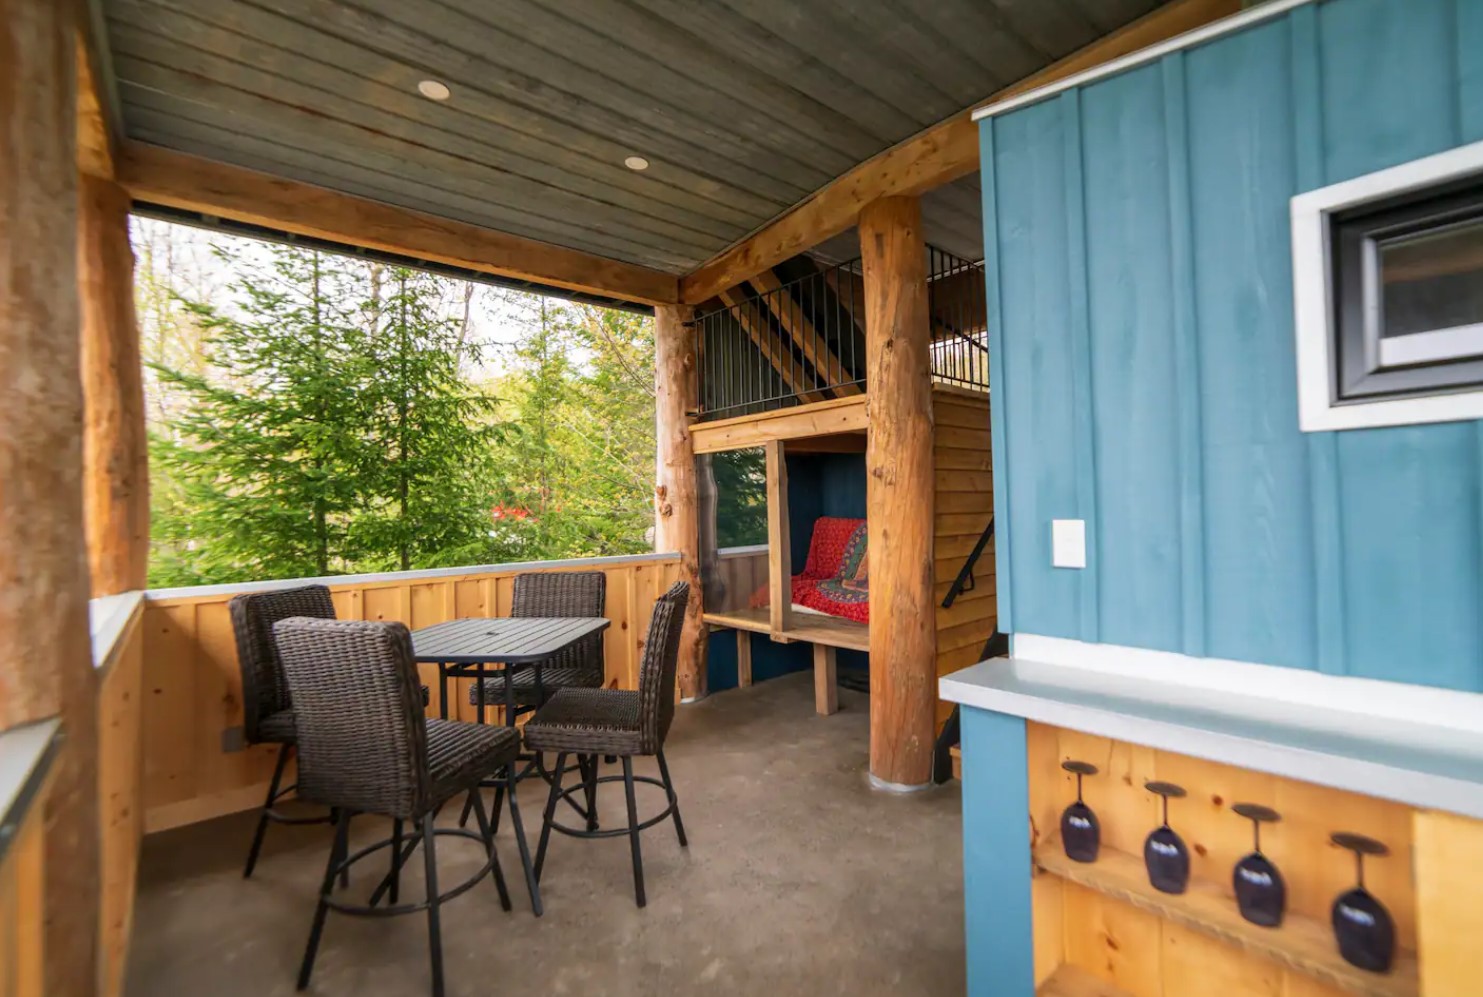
(1408, 295)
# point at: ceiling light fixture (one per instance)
(636, 163)
(433, 90)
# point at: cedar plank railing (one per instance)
(193, 767)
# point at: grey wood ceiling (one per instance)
(742, 107)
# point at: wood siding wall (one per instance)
(1143, 355)
(22, 907)
(193, 688)
(120, 804)
(742, 572)
(963, 503)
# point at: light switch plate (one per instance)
(1068, 543)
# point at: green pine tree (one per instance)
(261, 470)
(433, 438)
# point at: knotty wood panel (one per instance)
(1148, 956)
(22, 905)
(193, 689)
(963, 502)
(120, 801)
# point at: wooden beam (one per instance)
(676, 497)
(899, 494)
(115, 441)
(826, 680)
(95, 145)
(779, 542)
(931, 158)
(46, 663)
(838, 415)
(743, 659)
(175, 180)
(753, 321)
(815, 347)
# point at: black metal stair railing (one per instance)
(796, 334)
(965, 581)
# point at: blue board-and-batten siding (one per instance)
(1143, 371)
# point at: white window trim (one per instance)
(1312, 293)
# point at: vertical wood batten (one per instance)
(676, 498)
(1323, 448)
(1186, 358)
(998, 381)
(1082, 402)
(46, 666)
(899, 493)
(115, 441)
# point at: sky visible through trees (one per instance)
(314, 414)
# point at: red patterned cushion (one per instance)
(835, 579)
(828, 545)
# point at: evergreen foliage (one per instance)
(313, 414)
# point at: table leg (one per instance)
(443, 688)
(480, 708)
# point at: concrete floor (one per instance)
(799, 879)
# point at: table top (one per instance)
(504, 639)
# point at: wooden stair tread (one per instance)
(1301, 943)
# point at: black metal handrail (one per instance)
(965, 582)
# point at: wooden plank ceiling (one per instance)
(741, 107)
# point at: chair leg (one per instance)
(344, 869)
(434, 928)
(468, 808)
(341, 842)
(399, 861)
(530, 875)
(633, 833)
(396, 861)
(674, 800)
(549, 814)
(484, 829)
(262, 820)
(591, 776)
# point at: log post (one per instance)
(898, 495)
(45, 661)
(115, 444)
(676, 503)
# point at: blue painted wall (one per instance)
(1143, 366)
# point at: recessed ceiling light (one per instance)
(636, 163)
(433, 90)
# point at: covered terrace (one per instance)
(690, 159)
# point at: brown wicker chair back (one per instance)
(657, 672)
(567, 593)
(264, 691)
(358, 705)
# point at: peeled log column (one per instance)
(115, 446)
(676, 503)
(45, 662)
(898, 494)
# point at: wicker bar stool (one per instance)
(267, 714)
(549, 593)
(593, 722)
(267, 709)
(553, 593)
(382, 756)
